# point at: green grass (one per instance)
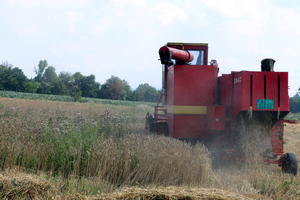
(293, 116)
(23, 95)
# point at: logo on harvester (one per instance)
(237, 80)
(265, 104)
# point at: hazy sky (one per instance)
(122, 37)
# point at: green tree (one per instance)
(115, 88)
(76, 91)
(66, 82)
(87, 84)
(49, 82)
(42, 66)
(295, 103)
(31, 86)
(145, 92)
(12, 78)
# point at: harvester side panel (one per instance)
(170, 99)
(256, 91)
(191, 90)
(284, 92)
(237, 93)
(247, 88)
(194, 85)
(225, 87)
(170, 86)
(269, 86)
(190, 126)
(258, 88)
(272, 87)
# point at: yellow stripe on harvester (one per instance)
(187, 110)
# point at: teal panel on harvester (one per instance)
(264, 104)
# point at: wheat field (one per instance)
(68, 150)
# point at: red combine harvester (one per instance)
(232, 114)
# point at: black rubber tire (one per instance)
(149, 122)
(289, 164)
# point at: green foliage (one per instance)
(62, 158)
(293, 116)
(145, 92)
(66, 81)
(43, 64)
(115, 88)
(31, 86)
(87, 84)
(76, 93)
(295, 103)
(12, 78)
(76, 85)
(49, 83)
(89, 87)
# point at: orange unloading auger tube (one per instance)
(181, 56)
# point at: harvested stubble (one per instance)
(23, 186)
(172, 193)
(292, 139)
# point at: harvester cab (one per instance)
(237, 116)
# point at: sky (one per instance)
(122, 37)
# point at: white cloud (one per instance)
(248, 17)
(235, 8)
(73, 17)
(133, 3)
(35, 3)
(286, 20)
(167, 12)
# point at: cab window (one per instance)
(198, 57)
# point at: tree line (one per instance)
(77, 85)
(295, 103)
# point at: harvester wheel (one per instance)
(289, 163)
(148, 121)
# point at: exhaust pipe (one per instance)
(267, 65)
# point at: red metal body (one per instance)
(241, 90)
(200, 105)
(188, 97)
